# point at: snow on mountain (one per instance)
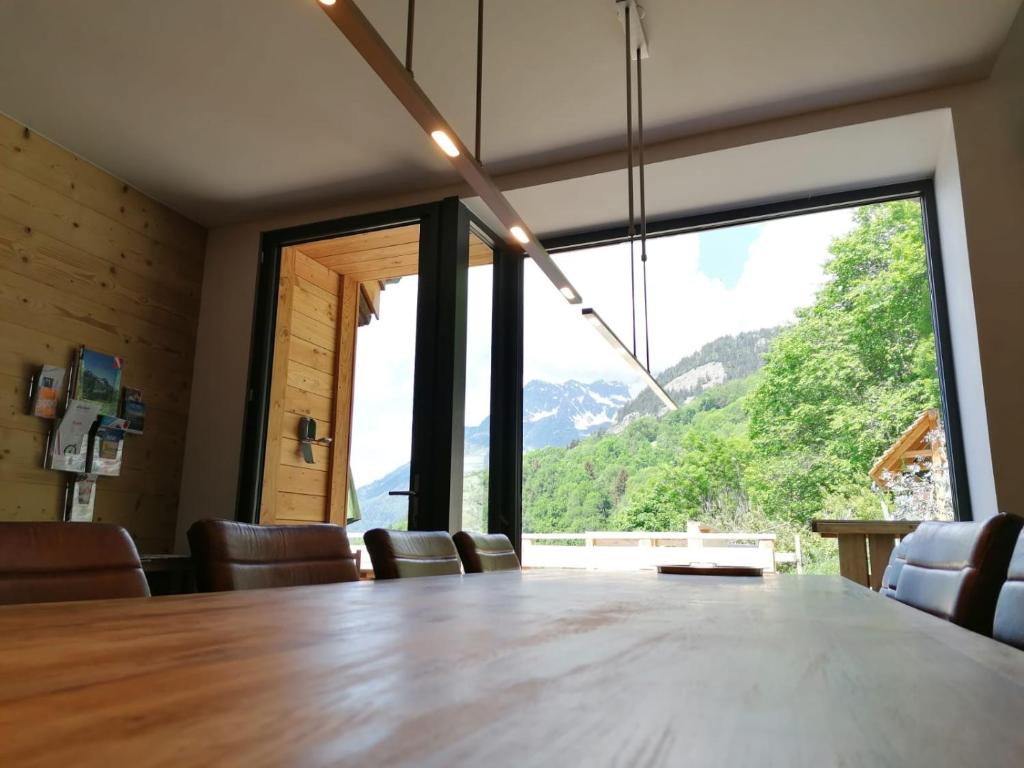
(553, 415)
(557, 414)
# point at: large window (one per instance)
(801, 354)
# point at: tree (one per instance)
(848, 377)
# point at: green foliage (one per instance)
(850, 375)
(771, 448)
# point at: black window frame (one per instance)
(439, 389)
(922, 190)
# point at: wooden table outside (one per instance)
(534, 669)
(864, 542)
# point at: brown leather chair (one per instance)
(897, 560)
(403, 554)
(955, 570)
(1009, 620)
(230, 555)
(55, 562)
(485, 552)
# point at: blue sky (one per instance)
(724, 252)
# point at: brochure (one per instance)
(46, 391)
(82, 501)
(70, 444)
(108, 446)
(134, 411)
(98, 380)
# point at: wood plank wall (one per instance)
(317, 309)
(87, 260)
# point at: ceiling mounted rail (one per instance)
(382, 60)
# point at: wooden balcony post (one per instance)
(854, 537)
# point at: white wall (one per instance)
(963, 328)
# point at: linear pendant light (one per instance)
(602, 328)
(371, 46)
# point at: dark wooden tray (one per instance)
(711, 570)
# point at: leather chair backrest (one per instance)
(231, 556)
(485, 552)
(403, 554)
(1009, 620)
(897, 560)
(54, 562)
(955, 570)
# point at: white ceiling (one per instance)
(227, 109)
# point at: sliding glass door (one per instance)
(371, 374)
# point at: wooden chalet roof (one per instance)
(910, 447)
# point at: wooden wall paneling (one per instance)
(312, 356)
(23, 152)
(307, 404)
(300, 507)
(317, 274)
(40, 257)
(348, 321)
(282, 339)
(364, 241)
(302, 490)
(302, 480)
(50, 212)
(311, 330)
(87, 260)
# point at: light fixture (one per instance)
(519, 234)
(602, 328)
(398, 78)
(327, 2)
(444, 141)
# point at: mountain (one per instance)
(557, 414)
(554, 415)
(379, 510)
(724, 359)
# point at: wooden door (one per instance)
(314, 361)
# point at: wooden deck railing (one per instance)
(630, 551)
(864, 545)
(633, 551)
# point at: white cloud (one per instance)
(687, 308)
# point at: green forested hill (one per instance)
(774, 447)
(738, 356)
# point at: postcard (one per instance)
(108, 446)
(82, 501)
(134, 411)
(98, 380)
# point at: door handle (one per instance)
(403, 493)
(307, 437)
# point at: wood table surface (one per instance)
(509, 669)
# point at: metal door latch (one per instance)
(307, 438)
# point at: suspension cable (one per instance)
(479, 72)
(629, 171)
(643, 199)
(410, 23)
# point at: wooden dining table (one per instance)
(508, 669)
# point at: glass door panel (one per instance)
(476, 445)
